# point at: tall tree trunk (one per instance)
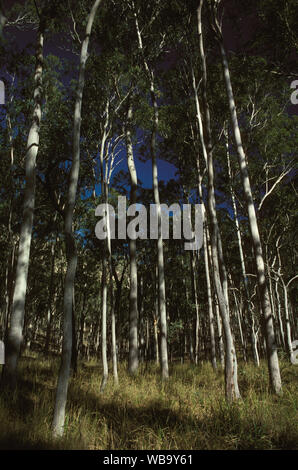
(71, 253)
(106, 254)
(231, 385)
(133, 358)
(160, 254)
(15, 334)
(272, 357)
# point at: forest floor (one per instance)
(187, 413)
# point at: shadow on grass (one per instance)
(223, 427)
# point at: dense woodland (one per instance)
(164, 102)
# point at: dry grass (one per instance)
(188, 412)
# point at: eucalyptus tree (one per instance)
(231, 382)
(15, 334)
(160, 254)
(272, 357)
(64, 372)
(133, 359)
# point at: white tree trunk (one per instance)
(133, 357)
(231, 385)
(15, 334)
(160, 256)
(242, 261)
(64, 372)
(272, 357)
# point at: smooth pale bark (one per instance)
(286, 310)
(160, 255)
(231, 385)
(15, 333)
(209, 296)
(115, 315)
(238, 314)
(224, 282)
(71, 253)
(242, 262)
(196, 304)
(288, 323)
(104, 299)
(155, 323)
(207, 263)
(280, 323)
(142, 342)
(272, 357)
(106, 254)
(133, 355)
(114, 343)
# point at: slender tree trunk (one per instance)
(220, 337)
(195, 301)
(114, 344)
(15, 334)
(280, 323)
(272, 357)
(209, 296)
(106, 255)
(160, 254)
(104, 299)
(71, 253)
(243, 268)
(288, 323)
(156, 343)
(207, 274)
(133, 359)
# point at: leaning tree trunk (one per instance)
(271, 348)
(133, 357)
(15, 334)
(231, 385)
(71, 253)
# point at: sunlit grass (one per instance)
(187, 412)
